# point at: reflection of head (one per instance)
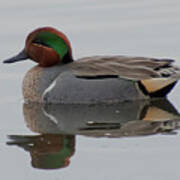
(52, 151)
(50, 161)
(47, 151)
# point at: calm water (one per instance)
(138, 148)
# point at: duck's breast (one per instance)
(37, 80)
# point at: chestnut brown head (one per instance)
(46, 46)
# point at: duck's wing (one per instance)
(132, 68)
(152, 75)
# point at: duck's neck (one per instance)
(67, 59)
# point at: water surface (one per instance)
(104, 142)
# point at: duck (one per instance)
(58, 78)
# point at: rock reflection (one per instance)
(58, 124)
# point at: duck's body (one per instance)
(62, 85)
(98, 79)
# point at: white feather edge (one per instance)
(49, 88)
(51, 117)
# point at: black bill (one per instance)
(19, 57)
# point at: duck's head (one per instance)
(46, 46)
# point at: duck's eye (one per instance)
(39, 41)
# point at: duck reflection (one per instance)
(58, 124)
(113, 120)
(47, 151)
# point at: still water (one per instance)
(137, 140)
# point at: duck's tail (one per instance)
(157, 87)
(162, 85)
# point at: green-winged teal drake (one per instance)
(98, 79)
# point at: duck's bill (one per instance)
(19, 57)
